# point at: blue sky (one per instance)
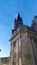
(8, 11)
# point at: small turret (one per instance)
(34, 23)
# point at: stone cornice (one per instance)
(34, 34)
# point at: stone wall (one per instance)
(23, 50)
(27, 50)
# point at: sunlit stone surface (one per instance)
(24, 43)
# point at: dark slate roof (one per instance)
(24, 27)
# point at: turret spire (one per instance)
(34, 23)
(18, 21)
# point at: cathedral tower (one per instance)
(23, 43)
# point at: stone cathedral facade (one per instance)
(24, 43)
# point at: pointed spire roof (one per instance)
(19, 18)
(15, 22)
(15, 19)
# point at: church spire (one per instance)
(19, 18)
(18, 22)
